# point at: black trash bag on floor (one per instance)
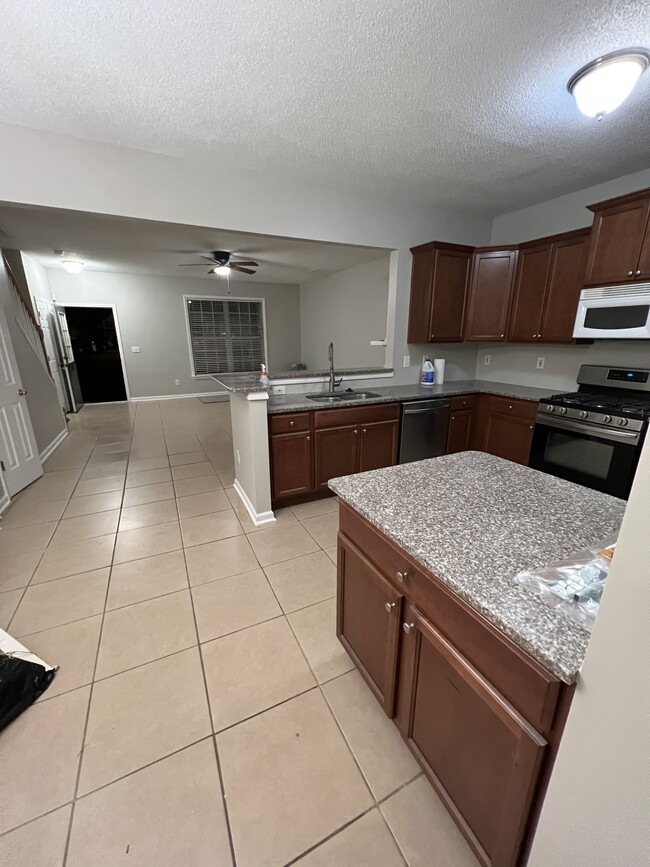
(23, 677)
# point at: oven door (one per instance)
(603, 460)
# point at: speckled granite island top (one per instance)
(475, 521)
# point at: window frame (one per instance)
(223, 298)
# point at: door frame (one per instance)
(120, 345)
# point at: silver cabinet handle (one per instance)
(390, 607)
(502, 335)
(364, 430)
(407, 627)
(292, 423)
(637, 273)
(308, 438)
(509, 406)
(22, 392)
(356, 431)
(401, 576)
(629, 273)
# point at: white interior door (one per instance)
(46, 317)
(18, 450)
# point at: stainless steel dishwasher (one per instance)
(423, 429)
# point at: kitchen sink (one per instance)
(343, 396)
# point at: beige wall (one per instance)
(349, 308)
(598, 803)
(151, 315)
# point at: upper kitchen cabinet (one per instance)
(620, 248)
(489, 296)
(439, 279)
(550, 275)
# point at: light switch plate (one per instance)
(540, 362)
(177, 382)
(487, 359)
(135, 349)
(407, 361)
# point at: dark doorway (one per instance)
(97, 353)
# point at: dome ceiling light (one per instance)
(603, 84)
(72, 266)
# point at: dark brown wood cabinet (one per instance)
(491, 285)
(369, 617)
(482, 718)
(460, 430)
(439, 280)
(549, 277)
(310, 448)
(480, 754)
(504, 427)
(618, 252)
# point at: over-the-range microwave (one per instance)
(614, 312)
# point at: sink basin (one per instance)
(343, 396)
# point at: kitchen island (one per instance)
(476, 671)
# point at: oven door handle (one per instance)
(623, 436)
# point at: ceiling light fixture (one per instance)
(223, 270)
(603, 84)
(72, 266)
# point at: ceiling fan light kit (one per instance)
(223, 263)
(603, 84)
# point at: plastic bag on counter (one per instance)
(23, 677)
(575, 585)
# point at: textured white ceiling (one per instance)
(450, 102)
(119, 244)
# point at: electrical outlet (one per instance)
(487, 359)
(135, 349)
(279, 389)
(540, 362)
(407, 361)
(177, 382)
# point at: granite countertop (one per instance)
(247, 383)
(401, 393)
(475, 521)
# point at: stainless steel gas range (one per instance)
(594, 436)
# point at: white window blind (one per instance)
(226, 336)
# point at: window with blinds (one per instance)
(226, 335)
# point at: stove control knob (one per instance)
(549, 407)
(621, 422)
(562, 410)
(584, 414)
(607, 419)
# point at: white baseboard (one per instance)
(179, 396)
(258, 518)
(47, 451)
(5, 502)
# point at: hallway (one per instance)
(204, 712)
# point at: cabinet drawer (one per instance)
(289, 422)
(356, 415)
(529, 687)
(463, 401)
(524, 409)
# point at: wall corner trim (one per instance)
(47, 451)
(259, 519)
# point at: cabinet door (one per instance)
(565, 282)
(460, 430)
(378, 445)
(479, 753)
(528, 297)
(616, 240)
(509, 437)
(491, 288)
(421, 294)
(291, 464)
(368, 620)
(450, 278)
(336, 453)
(643, 270)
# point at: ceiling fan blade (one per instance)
(192, 265)
(244, 262)
(209, 258)
(239, 268)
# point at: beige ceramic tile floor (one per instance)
(204, 712)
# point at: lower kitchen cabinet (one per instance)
(504, 427)
(336, 453)
(378, 445)
(369, 617)
(481, 756)
(460, 429)
(292, 469)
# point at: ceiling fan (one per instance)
(222, 263)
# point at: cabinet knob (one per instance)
(509, 406)
(637, 273)
(292, 423)
(530, 426)
(308, 438)
(453, 417)
(407, 627)
(390, 607)
(356, 431)
(401, 576)
(364, 430)
(502, 336)
(629, 273)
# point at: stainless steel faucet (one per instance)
(332, 381)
